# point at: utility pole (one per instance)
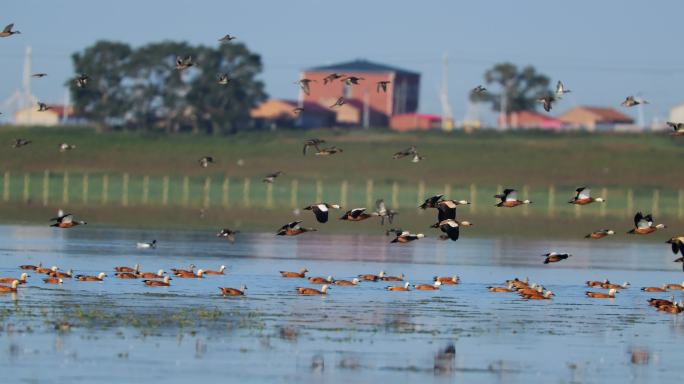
(447, 118)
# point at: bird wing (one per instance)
(68, 218)
(356, 212)
(583, 193)
(510, 195)
(380, 207)
(8, 28)
(445, 213)
(450, 227)
(321, 212)
(638, 218)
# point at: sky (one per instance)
(602, 50)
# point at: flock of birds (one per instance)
(446, 222)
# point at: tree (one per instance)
(142, 89)
(518, 89)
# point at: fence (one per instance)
(60, 189)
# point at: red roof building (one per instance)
(415, 122)
(373, 105)
(594, 118)
(530, 120)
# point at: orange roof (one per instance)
(599, 114)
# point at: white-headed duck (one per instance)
(358, 214)
(53, 280)
(446, 280)
(407, 237)
(509, 199)
(663, 288)
(321, 210)
(152, 275)
(99, 277)
(610, 285)
(393, 278)
(293, 229)
(135, 269)
(427, 287)
(65, 221)
(219, 272)
(11, 288)
(554, 257)
(347, 283)
(321, 280)
(156, 283)
(643, 225)
(233, 291)
(602, 295)
(399, 288)
(190, 275)
(600, 234)
(583, 197)
(431, 202)
(539, 296)
(297, 275)
(64, 275)
(312, 291)
(8, 280)
(191, 269)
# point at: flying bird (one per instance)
(352, 80)
(305, 85)
(18, 143)
(600, 234)
(7, 32)
(561, 90)
(407, 237)
(297, 110)
(547, 102)
(583, 197)
(509, 199)
(205, 161)
(144, 245)
(226, 39)
(479, 89)
(431, 202)
(321, 210)
(183, 62)
(631, 101)
(332, 77)
(312, 143)
(223, 79)
(677, 128)
(82, 80)
(643, 225)
(340, 102)
(270, 178)
(357, 214)
(39, 75)
(382, 86)
(228, 234)
(65, 220)
(293, 229)
(42, 107)
(329, 151)
(554, 257)
(383, 212)
(66, 147)
(406, 152)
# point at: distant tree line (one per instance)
(141, 89)
(517, 88)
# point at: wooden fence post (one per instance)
(46, 187)
(165, 190)
(269, 195)
(680, 204)
(630, 202)
(124, 190)
(65, 188)
(105, 188)
(319, 191)
(186, 191)
(499, 190)
(602, 209)
(447, 191)
(552, 201)
(421, 192)
(343, 194)
(395, 195)
(526, 196)
(86, 186)
(369, 194)
(294, 186)
(207, 192)
(6, 187)
(245, 193)
(655, 203)
(27, 181)
(146, 190)
(473, 198)
(226, 192)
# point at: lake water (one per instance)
(122, 331)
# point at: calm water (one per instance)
(123, 331)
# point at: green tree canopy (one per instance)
(142, 89)
(517, 89)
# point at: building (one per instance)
(57, 114)
(677, 114)
(415, 122)
(366, 105)
(530, 120)
(275, 113)
(595, 118)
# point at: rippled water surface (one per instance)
(122, 331)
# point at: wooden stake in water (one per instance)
(499, 190)
(319, 191)
(269, 195)
(124, 190)
(655, 203)
(526, 196)
(245, 193)
(680, 204)
(552, 201)
(473, 198)
(186, 191)
(369, 194)
(105, 188)
(630, 202)
(421, 192)
(165, 190)
(46, 187)
(226, 192)
(207, 192)
(146, 190)
(604, 195)
(343, 193)
(447, 191)
(27, 181)
(294, 190)
(395, 195)
(6, 187)
(84, 195)
(65, 188)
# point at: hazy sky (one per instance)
(603, 50)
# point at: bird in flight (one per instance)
(226, 39)
(479, 89)
(271, 177)
(7, 32)
(352, 80)
(39, 75)
(42, 107)
(340, 102)
(547, 102)
(561, 90)
(305, 85)
(82, 80)
(183, 62)
(205, 161)
(222, 78)
(332, 77)
(312, 143)
(18, 143)
(631, 101)
(382, 86)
